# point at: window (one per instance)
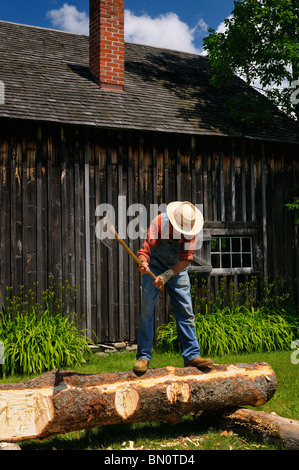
(231, 253)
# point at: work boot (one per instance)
(199, 362)
(141, 365)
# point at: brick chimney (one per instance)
(106, 43)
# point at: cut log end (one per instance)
(25, 413)
(126, 401)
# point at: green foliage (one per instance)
(243, 330)
(233, 321)
(294, 206)
(259, 41)
(40, 337)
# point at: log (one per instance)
(59, 402)
(269, 427)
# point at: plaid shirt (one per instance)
(154, 237)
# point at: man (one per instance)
(167, 252)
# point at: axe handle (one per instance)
(130, 252)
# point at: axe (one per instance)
(108, 228)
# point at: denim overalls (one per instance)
(163, 257)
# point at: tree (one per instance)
(260, 42)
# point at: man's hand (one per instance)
(158, 283)
(144, 269)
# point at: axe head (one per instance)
(107, 232)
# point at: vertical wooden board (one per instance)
(131, 264)
(221, 187)
(121, 224)
(161, 174)
(286, 237)
(209, 182)
(29, 212)
(233, 182)
(79, 230)
(70, 141)
(273, 210)
(172, 156)
(103, 252)
(244, 173)
(198, 170)
(4, 217)
(206, 212)
(178, 173)
(87, 233)
(41, 212)
(192, 169)
(238, 186)
(293, 177)
(13, 209)
(256, 157)
(215, 185)
(125, 314)
(112, 185)
(186, 189)
(67, 207)
(147, 198)
(252, 186)
(166, 199)
(153, 164)
(98, 267)
(18, 236)
(264, 211)
(54, 208)
(92, 208)
(227, 185)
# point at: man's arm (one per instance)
(159, 283)
(161, 280)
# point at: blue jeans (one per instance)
(179, 291)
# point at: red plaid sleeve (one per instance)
(153, 238)
(188, 249)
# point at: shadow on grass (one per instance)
(154, 436)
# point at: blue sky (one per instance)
(174, 24)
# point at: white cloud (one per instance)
(166, 31)
(222, 27)
(68, 18)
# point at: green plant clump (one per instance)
(233, 333)
(40, 337)
(233, 323)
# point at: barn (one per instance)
(91, 120)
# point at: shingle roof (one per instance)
(47, 78)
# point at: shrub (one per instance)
(41, 337)
(233, 332)
(235, 321)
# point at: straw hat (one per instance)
(185, 217)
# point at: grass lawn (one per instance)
(189, 434)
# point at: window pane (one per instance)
(215, 261)
(236, 261)
(246, 261)
(215, 244)
(236, 244)
(225, 245)
(246, 245)
(225, 261)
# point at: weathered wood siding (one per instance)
(52, 179)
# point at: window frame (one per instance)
(233, 270)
